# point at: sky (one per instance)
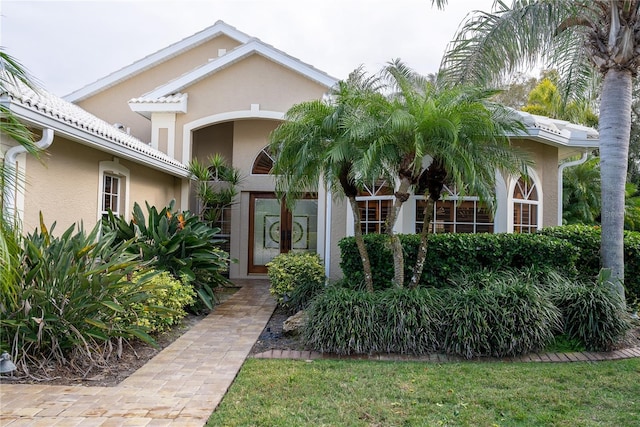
(66, 45)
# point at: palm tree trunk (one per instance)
(398, 254)
(362, 248)
(614, 128)
(422, 249)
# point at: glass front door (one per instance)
(274, 229)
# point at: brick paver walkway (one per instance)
(179, 387)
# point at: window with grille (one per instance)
(375, 203)
(110, 194)
(525, 206)
(455, 214)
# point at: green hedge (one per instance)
(448, 254)
(509, 314)
(587, 240)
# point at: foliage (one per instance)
(586, 240)
(592, 313)
(296, 277)
(594, 47)
(73, 298)
(478, 252)
(581, 193)
(165, 302)
(506, 317)
(178, 242)
(322, 140)
(215, 187)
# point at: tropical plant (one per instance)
(322, 140)
(74, 300)
(579, 38)
(178, 242)
(215, 186)
(429, 134)
(581, 193)
(12, 74)
(296, 277)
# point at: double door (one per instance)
(274, 229)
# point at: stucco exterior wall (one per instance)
(254, 80)
(112, 104)
(546, 166)
(66, 184)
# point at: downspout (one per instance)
(11, 182)
(561, 169)
(327, 236)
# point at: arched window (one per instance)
(455, 214)
(375, 203)
(263, 163)
(525, 206)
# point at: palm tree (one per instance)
(12, 74)
(579, 38)
(581, 193)
(318, 141)
(433, 135)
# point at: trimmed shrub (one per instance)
(592, 314)
(448, 254)
(296, 277)
(586, 239)
(166, 300)
(410, 321)
(344, 321)
(501, 319)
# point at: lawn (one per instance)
(369, 393)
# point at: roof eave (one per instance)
(37, 119)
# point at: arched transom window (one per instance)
(525, 206)
(263, 163)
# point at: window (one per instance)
(263, 163)
(525, 206)
(113, 192)
(375, 204)
(455, 214)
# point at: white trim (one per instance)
(164, 121)
(533, 175)
(160, 56)
(114, 168)
(255, 46)
(219, 118)
(561, 169)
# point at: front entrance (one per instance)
(273, 229)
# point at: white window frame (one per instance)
(535, 181)
(114, 169)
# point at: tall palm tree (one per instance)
(578, 38)
(318, 141)
(12, 74)
(433, 134)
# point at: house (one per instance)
(129, 136)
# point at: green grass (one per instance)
(364, 393)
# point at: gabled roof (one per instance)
(44, 109)
(254, 46)
(160, 56)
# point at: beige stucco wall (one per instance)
(545, 158)
(112, 103)
(254, 80)
(65, 185)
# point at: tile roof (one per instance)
(61, 111)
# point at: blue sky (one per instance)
(68, 44)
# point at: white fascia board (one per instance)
(155, 58)
(91, 140)
(147, 108)
(239, 53)
(556, 140)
